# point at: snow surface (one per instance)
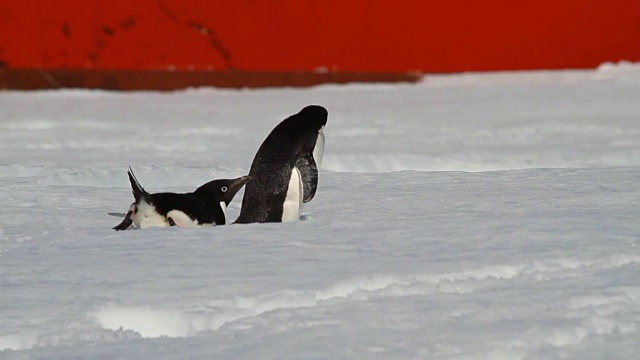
(472, 216)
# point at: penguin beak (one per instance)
(238, 183)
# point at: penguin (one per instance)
(205, 206)
(284, 171)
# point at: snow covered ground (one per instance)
(473, 216)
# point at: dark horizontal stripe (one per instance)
(32, 79)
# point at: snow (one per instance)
(470, 216)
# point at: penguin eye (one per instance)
(224, 189)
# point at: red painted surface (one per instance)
(332, 35)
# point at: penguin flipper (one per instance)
(137, 189)
(309, 173)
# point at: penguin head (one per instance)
(314, 116)
(224, 189)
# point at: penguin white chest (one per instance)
(293, 202)
(318, 150)
(147, 216)
(181, 219)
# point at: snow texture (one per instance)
(472, 216)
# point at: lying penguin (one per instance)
(205, 206)
(284, 171)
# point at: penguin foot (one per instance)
(127, 221)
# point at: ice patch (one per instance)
(618, 67)
(21, 341)
(29, 125)
(366, 284)
(153, 322)
(381, 163)
(146, 321)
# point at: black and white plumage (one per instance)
(285, 169)
(205, 206)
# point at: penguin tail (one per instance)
(138, 191)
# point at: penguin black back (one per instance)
(289, 145)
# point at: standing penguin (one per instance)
(284, 171)
(205, 206)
